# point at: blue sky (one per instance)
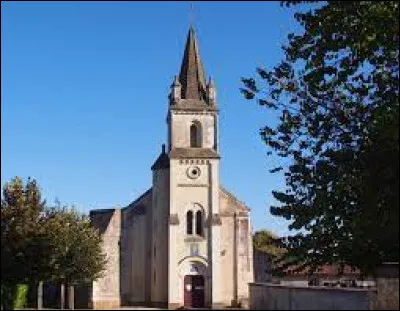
(84, 90)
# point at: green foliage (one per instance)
(266, 241)
(39, 243)
(21, 295)
(76, 246)
(21, 216)
(336, 94)
(13, 296)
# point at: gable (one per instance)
(230, 204)
(139, 206)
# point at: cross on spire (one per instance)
(191, 13)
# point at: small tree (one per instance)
(267, 241)
(77, 255)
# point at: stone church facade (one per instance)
(187, 240)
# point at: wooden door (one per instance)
(194, 291)
(198, 291)
(187, 288)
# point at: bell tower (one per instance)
(192, 100)
(193, 151)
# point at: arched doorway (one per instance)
(194, 291)
(194, 287)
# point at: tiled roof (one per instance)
(193, 105)
(234, 198)
(148, 192)
(326, 270)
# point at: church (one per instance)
(186, 241)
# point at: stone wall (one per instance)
(136, 240)
(262, 267)
(135, 237)
(159, 238)
(227, 257)
(191, 194)
(236, 249)
(387, 286)
(245, 258)
(279, 297)
(106, 290)
(180, 129)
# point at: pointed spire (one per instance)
(211, 93)
(176, 81)
(210, 82)
(191, 76)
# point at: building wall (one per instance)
(280, 297)
(214, 246)
(156, 253)
(180, 129)
(191, 194)
(387, 285)
(134, 251)
(236, 249)
(106, 290)
(159, 244)
(245, 258)
(228, 266)
(388, 293)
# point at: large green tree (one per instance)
(336, 95)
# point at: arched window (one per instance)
(195, 135)
(199, 223)
(189, 222)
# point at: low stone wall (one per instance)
(387, 286)
(264, 296)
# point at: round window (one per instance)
(193, 172)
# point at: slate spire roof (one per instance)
(192, 75)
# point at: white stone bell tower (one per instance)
(194, 226)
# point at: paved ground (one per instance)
(121, 308)
(136, 308)
(139, 308)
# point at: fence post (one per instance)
(62, 296)
(71, 297)
(40, 296)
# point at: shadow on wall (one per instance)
(101, 218)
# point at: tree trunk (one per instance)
(62, 296)
(71, 298)
(40, 296)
